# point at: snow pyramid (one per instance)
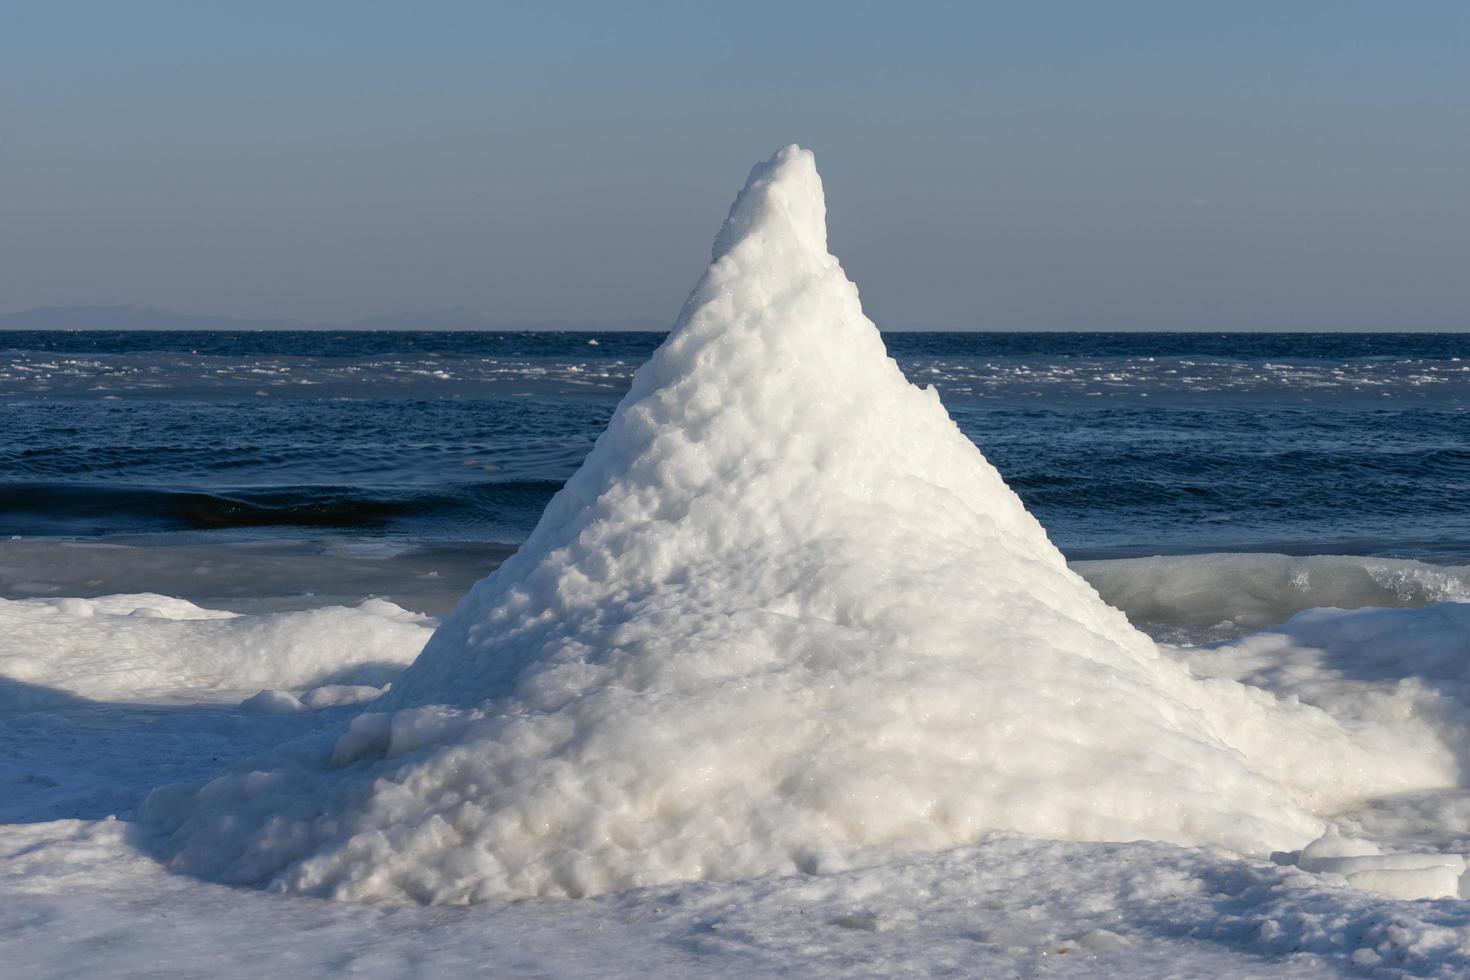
(784, 612)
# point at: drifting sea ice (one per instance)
(1200, 598)
(153, 647)
(784, 613)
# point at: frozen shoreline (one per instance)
(82, 892)
(1194, 598)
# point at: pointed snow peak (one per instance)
(784, 611)
(782, 206)
(774, 311)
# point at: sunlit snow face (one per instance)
(785, 613)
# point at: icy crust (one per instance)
(1206, 598)
(145, 646)
(785, 611)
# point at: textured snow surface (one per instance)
(784, 612)
(78, 899)
(132, 647)
(82, 894)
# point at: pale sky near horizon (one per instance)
(1045, 165)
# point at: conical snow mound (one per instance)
(784, 611)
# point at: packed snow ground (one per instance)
(81, 900)
(785, 679)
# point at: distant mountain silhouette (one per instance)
(153, 318)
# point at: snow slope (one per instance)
(784, 612)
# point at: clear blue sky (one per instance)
(1023, 165)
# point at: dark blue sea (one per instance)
(1122, 444)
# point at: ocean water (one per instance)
(1121, 444)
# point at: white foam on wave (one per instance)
(299, 376)
(784, 612)
(959, 376)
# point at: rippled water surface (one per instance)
(1120, 443)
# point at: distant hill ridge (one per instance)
(154, 318)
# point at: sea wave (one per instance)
(50, 508)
